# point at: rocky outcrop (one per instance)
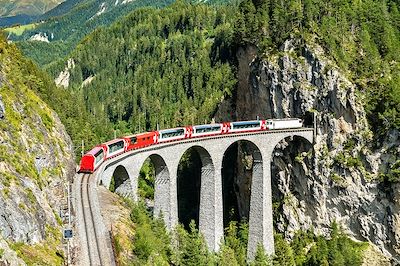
(40, 37)
(36, 163)
(63, 77)
(339, 179)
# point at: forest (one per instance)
(157, 67)
(173, 66)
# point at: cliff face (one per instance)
(35, 161)
(338, 180)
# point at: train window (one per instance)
(242, 125)
(116, 146)
(133, 139)
(98, 156)
(207, 129)
(173, 133)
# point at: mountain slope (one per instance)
(65, 31)
(171, 65)
(26, 7)
(60, 10)
(36, 160)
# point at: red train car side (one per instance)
(140, 140)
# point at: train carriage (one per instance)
(206, 130)
(244, 126)
(173, 134)
(114, 147)
(140, 140)
(284, 123)
(92, 160)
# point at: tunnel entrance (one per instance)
(240, 162)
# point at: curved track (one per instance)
(91, 232)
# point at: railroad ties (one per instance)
(94, 247)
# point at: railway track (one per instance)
(91, 232)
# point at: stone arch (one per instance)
(161, 185)
(291, 186)
(191, 192)
(120, 182)
(161, 169)
(241, 162)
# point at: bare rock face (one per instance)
(338, 180)
(36, 161)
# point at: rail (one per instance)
(92, 246)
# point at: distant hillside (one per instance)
(75, 19)
(156, 66)
(60, 10)
(14, 20)
(10, 8)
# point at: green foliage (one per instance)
(346, 160)
(153, 245)
(191, 248)
(157, 67)
(151, 241)
(80, 124)
(309, 249)
(39, 254)
(146, 180)
(261, 259)
(393, 174)
(65, 31)
(18, 30)
(283, 252)
(362, 37)
(112, 184)
(235, 241)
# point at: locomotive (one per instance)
(95, 157)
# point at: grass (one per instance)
(39, 254)
(18, 30)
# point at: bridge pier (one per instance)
(261, 219)
(211, 212)
(165, 195)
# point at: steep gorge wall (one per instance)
(339, 180)
(36, 160)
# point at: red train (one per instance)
(94, 158)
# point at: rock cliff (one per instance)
(36, 158)
(339, 177)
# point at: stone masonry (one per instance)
(166, 157)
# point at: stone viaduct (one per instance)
(166, 157)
